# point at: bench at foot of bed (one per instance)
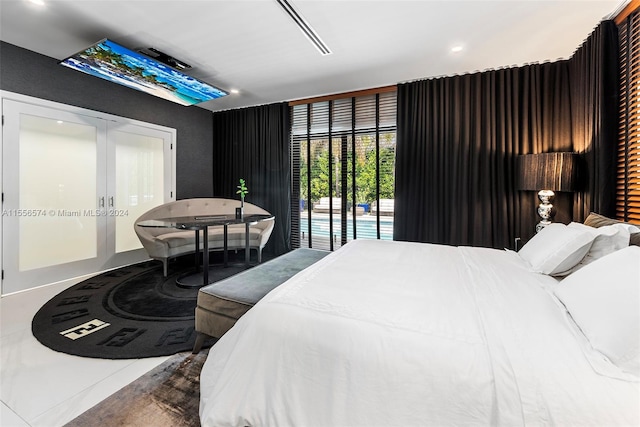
(222, 303)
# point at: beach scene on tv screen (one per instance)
(113, 62)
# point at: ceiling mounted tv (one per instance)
(116, 63)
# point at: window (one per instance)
(343, 164)
(628, 179)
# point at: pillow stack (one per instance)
(607, 239)
(596, 220)
(603, 298)
(559, 250)
(602, 290)
(556, 249)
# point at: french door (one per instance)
(73, 185)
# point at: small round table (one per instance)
(202, 223)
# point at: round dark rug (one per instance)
(129, 313)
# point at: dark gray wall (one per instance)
(29, 73)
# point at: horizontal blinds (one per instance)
(341, 120)
(341, 111)
(388, 102)
(356, 125)
(628, 177)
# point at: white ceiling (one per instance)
(254, 47)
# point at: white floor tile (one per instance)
(41, 387)
(17, 310)
(8, 418)
(85, 399)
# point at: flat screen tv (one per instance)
(116, 63)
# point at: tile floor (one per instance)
(41, 387)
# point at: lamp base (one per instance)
(545, 209)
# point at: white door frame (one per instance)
(131, 256)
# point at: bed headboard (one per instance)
(597, 220)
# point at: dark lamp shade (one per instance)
(547, 171)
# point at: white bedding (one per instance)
(384, 333)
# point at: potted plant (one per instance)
(242, 191)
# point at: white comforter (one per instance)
(386, 333)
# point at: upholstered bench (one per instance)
(222, 303)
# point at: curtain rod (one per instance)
(364, 92)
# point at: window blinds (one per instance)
(628, 177)
(356, 126)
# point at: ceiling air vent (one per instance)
(304, 26)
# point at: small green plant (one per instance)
(242, 190)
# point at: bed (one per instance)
(383, 333)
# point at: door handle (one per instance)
(101, 202)
(111, 201)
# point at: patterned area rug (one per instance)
(128, 313)
(168, 395)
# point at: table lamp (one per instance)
(546, 173)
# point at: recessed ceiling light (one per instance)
(456, 48)
(38, 2)
(234, 91)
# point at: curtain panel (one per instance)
(458, 140)
(253, 144)
(459, 137)
(594, 82)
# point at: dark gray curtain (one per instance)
(458, 140)
(594, 82)
(253, 143)
(459, 137)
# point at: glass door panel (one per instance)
(52, 184)
(142, 179)
(387, 155)
(337, 211)
(57, 174)
(321, 230)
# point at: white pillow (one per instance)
(604, 300)
(609, 238)
(556, 248)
